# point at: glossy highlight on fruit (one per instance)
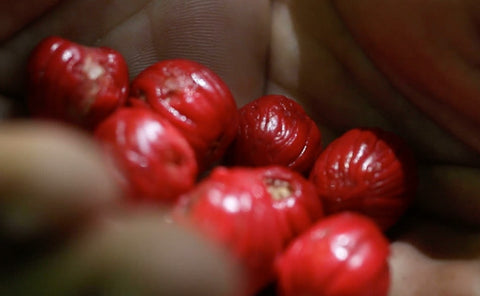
(342, 254)
(367, 170)
(74, 83)
(195, 100)
(253, 212)
(276, 130)
(154, 161)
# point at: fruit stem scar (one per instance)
(92, 69)
(278, 189)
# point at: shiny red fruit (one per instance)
(153, 160)
(343, 254)
(74, 83)
(195, 100)
(275, 130)
(254, 213)
(367, 170)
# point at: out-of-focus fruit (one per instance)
(343, 254)
(152, 158)
(367, 170)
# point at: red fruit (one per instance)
(195, 100)
(153, 159)
(343, 254)
(254, 213)
(274, 129)
(369, 171)
(74, 83)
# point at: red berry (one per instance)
(195, 100)
(369, 171)
(254, 213)
(343, 254)
(274, 129)
(74, 83)
(153, 159)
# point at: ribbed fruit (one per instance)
(76, 84)
(195, 100)
(367, 170)
(276, 130)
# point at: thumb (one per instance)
(138, 255)
(50, 177)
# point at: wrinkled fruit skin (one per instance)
(342, 254)
(195, 100)
(75, 84)
(275, 130)
(367, 170)
(154, 162)
(254, 213)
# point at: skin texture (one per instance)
(406, 66)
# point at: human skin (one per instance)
(409, 66)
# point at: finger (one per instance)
(132, 255)
(428, 50)
(79, 20)
(434, 259)
(315, 54)
(414, 274)
(16, 14)
(452, 192)
(308, 46)
(7, 107)
(231, 37)
(50, 177)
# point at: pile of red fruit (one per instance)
(254, 179)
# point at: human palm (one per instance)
(407, 66)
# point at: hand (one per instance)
(407, 66)
(410, 67)
(64, 232)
